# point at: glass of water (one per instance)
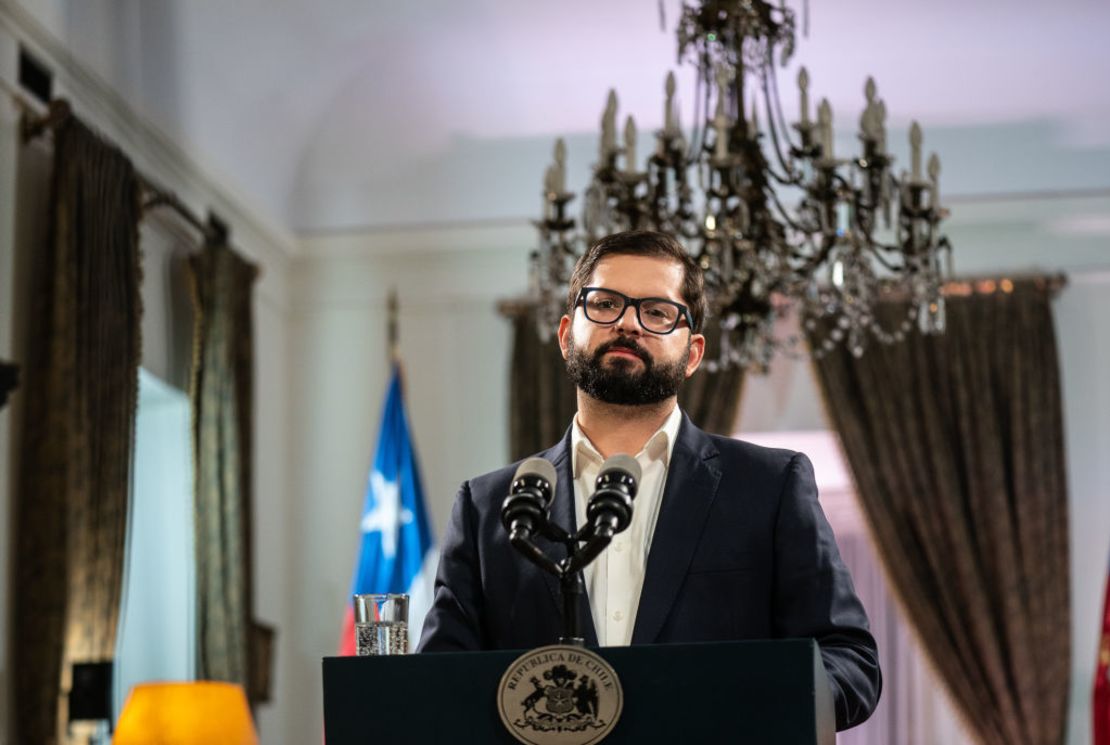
(382, 624)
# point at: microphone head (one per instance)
(524, 511)
(610, 508)
(537, 468)
(622, 463)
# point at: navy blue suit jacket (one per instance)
(741, 550)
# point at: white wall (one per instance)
(1081, 321)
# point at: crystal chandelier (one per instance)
(779, 223)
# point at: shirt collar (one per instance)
(658, 447)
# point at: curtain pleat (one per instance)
(222, 401)
(956, 444)
(81, 390)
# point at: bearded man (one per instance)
(727, 540)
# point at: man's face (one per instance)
(621, 363)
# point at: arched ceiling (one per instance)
(336, 114)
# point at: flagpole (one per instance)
(391, 330)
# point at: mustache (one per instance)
(623, 342)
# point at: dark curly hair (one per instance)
(644, 243)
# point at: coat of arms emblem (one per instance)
(560, 694)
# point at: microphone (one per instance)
(609, 510)
(524, 511)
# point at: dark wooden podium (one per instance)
(756, 693)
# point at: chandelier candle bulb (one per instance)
(803, 90)
(560, 166)
(867, 120)
(548, 192)
(608, 127)
(824, 121)
(670, 123)
(629, 145)
(915, 151)
(720, 124)
(681, 142)
(880, 116)
(934, 181)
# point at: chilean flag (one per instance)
(396, 554)
(1101, 707)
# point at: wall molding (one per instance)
(428, 239)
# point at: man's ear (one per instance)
(564, 335)
(697, 352)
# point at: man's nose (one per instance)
(628, 323)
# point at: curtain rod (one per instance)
(214, 230)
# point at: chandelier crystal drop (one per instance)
(778, 222)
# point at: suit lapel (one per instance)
(687, 498)
(562, 514)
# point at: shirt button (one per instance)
(618, 546)
(618, 616)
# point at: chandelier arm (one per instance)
(820, 256)
(702, 97)
(876, 250)
(695, 127)
(864, 207)
(795, 180)
(856, 203)
(773, 125)
(785, 216)
(839, 177)
(778, 105)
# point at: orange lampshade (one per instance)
(196, 713)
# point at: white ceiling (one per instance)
(332, 114)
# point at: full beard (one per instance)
(617, 382)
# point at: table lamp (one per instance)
(192, 713)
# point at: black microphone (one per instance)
(609, 510)
(524, 511)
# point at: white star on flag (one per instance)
(387, 515)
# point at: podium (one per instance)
(749, 692)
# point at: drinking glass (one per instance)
(382, 624)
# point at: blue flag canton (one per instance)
(395, 530)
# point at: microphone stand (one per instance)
(568, 570)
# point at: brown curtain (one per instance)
(222, 399)
(956, 443)
(542, 398)
(712, 399)
(9, 380)
(80, 393)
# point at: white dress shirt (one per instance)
(614, 580)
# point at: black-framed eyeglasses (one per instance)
(655, 314)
